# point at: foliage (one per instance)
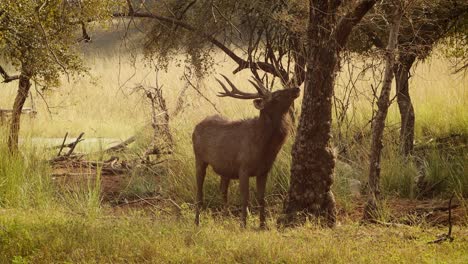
(262, 34)
(455, 46)
(425, 24)
(39, 38)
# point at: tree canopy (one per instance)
(39, 37)
(257, 35)
(425, 24)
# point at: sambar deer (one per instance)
(244, 148)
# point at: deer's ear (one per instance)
(259, 104)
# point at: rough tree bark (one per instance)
(371, 209)
(405, 106)
(23, 91)
(313, 160)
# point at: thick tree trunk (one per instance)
(371, 209)
(402, 75)
(23, 91)
(312, 158)
(313, 161)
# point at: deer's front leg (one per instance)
(201, 172)
(244, 192)
(261, 185)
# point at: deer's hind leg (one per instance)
(200, 174)
(244, 193)
(224, 187)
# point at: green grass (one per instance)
(55, 237)
(24, 180)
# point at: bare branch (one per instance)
(195, 87)
(6, 77)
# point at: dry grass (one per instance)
(39, 224)
(105, 105)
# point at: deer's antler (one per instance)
(236, 93)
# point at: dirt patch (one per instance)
(111, 184)
(414, 212)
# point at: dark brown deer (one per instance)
(244, 148)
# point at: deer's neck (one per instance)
(274, 129)
(273, 132)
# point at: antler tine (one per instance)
(226, 91)
(256, 86)
(259, 86)
(235, 93)
(236, 90)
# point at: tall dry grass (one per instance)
(106, 105)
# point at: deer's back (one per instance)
(226, 145)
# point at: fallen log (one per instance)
(69, 155)
(122, 145)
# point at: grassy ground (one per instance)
(40, 222)
(56, 237)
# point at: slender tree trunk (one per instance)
(372, 207)
(23, 91)
(402, 75)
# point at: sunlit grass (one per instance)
(35, 237)
(40, 222)
(106, 105)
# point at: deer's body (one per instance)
(244, 148)
(230, 145)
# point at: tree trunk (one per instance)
(23, 91)
(312, 158)
(313, 161)
(371, 209)
(402, 75)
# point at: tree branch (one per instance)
(350, 20)
(84, 33)
(6, 77)
(378, 43)
(300, 61)
(243, 64)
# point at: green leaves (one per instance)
(40, 37)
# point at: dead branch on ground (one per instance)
(121, 146)
(446, 237)
(71, 146)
